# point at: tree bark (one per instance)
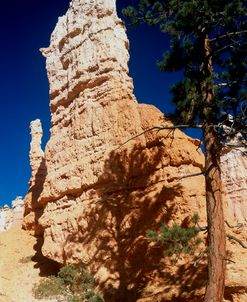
(215, 217)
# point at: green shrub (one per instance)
(47, 288)
(177, 240)
(73, 283)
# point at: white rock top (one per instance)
(11, 216)
(88, 46)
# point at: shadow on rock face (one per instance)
(47, 267)
(33, 209)
(132, 197)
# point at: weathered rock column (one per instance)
(107, 183)
(36, 154)
(33, 209)
(104, 179)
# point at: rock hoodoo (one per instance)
(36, 154)
(33, 209)
(104, 179)
(10, 216)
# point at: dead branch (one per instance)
(238, 148)
(159, 128)
(225, 84)
(200, 257)
(228, 35)
(239, 225)
(237, 240)
(230, 260)
(146, 19)
(201, 229)
(191, 175)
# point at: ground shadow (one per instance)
(46, 266)
(230, 291)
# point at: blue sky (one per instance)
(25, 26)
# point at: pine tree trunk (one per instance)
(215, 217)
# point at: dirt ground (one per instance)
(21, 266)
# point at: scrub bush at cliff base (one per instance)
(72, 284)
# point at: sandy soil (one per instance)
(21, 266)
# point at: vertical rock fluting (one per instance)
(33, 209)
(103, 179)
(36, 154)
(92, 105)
(106, 184)
(234, 175)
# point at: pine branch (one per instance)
(145, 19)
(228, 35)
(226, 84)
(222, 49)
(159, 128)
(174, 127)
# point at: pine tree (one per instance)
(208, 42)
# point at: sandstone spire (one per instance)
(33, 209)
(92, 103)
(105, 179)
(36, 154)
(105, 183)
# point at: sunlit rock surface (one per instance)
(11, 216)
(234, 175)
(33, 209)
(105, 177)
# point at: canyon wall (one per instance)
(104, 178)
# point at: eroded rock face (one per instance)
(33, 210)
(93, 108)
(36, 153)
(234, 174)
(94, 112)
(11, 216)
(106, 183)
(104, 179)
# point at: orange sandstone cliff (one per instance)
(103, 180)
